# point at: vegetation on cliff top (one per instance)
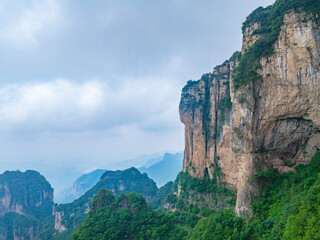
(271, 20)
(26, 188)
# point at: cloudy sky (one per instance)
(89, 83)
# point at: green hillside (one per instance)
(126, 181)
(289, 208)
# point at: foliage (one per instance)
(269, 174)
(14, 224)
(158, 199)
(130, 180)
(289, 208)
(202, 195)
(128, 217)
(190, 84)
(103, 198)
(200, 185)
(171, 198)
(220, 225)
(271, 20)
(28, 184)
(126, 181)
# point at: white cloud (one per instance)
(59, 104)
(63, 105)
(23, 25)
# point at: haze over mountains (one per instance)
(165, 170)
(161, 167)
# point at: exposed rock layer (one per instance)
(274, 122)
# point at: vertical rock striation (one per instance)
(273, 122)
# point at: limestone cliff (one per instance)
(271, 122)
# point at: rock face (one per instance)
(58, 222)
(26, 199)
(19, 191)
(273, 122)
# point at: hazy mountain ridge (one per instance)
(161, 167)
(79, 187)
(165, 170)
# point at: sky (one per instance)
(84, 84)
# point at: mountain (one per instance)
(79, 187)
(26, 200)
(137, 161)
(67, 217)
(260, 109)
(165, 170)
(88, 180)
(153, 161)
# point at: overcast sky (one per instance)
(88, 83)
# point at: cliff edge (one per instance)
(261, 108)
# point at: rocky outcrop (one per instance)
(58, 222)
(22, 190)
(273, 122)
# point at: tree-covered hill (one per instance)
(69, 216)
(127, 217)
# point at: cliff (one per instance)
(23, 190)
(26, 200)
(260, 109)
